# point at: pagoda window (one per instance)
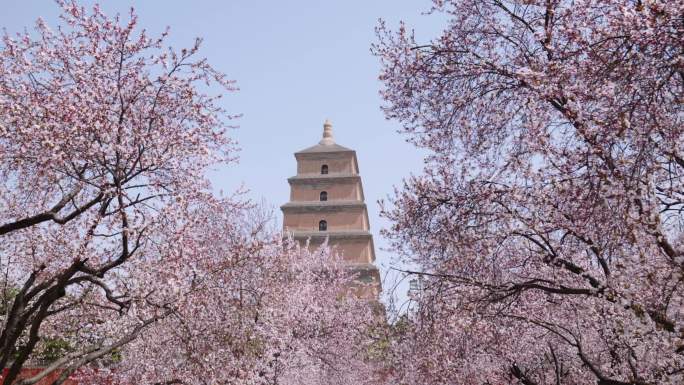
(324, 169)
(323, 226)
(324, 196)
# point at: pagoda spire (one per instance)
(327, 134)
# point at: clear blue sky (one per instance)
(296, 63)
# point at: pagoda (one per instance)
(326, 202)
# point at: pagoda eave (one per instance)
(307, 179)
(333, 235)
(319, 207)
(366, 273)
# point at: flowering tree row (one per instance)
(117, 262)
(548, 221)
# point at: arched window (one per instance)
(324, 169)
(322, 226)
(324, 196)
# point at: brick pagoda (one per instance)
(326, 201)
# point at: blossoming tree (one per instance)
(104, 140)
(253, 310)
(548, 220)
